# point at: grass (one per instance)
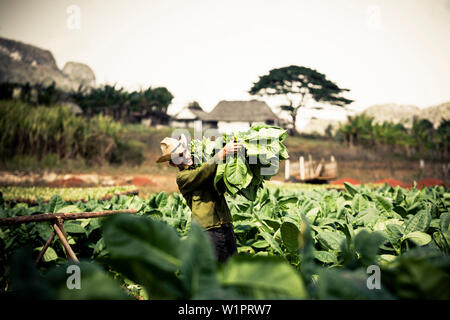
(293, 187)
(366, 165)
(67, 194)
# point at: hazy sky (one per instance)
(383, 51)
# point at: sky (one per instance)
(384, 51)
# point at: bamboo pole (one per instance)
(66, 244)
(60, 223)
(64, 216)
(47, 244)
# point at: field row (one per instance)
(314, 243)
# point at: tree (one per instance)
(159, 99)
(357, 130)
(442, 139)
(299, 85)
(422, 130)
(115, 101)
(194, 105)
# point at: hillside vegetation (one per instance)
(40, 131)
(422, 138)
(38, 138)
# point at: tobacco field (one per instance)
(315, 243)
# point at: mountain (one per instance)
(21, 63)
(436, 113)
(392, 113)
(404, 113)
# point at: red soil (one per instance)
(348, 180)
(70, 182)
(429, 183)
(142, 181)
(393, 183)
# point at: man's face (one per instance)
(181, 160)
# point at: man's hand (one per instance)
(230, 149)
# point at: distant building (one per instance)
(190, 117)
(75, 108)
(151, 118)
(227, 116)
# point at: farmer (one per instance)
(208, 208)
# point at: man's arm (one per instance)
(189, 180)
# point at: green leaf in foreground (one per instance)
(198, 270)
(348, 285)
(50, 255)
(445, 222)
(147, 252)
(417, 237)
(419, 273)
(236, 171)
(325, 257)
(367, 245)
(290, 235)
(95, 283)
(330, 240)
(262, 278)
(350, 189)
(419, 222)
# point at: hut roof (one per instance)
(253, 110)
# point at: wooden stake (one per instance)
(64, 216)
(47, 244)
(60, 223)
(311, 169)
(302, 168)
(286, 170)
(66, 244)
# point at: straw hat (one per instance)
(173, 146)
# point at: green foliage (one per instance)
(39, 93)
(245, 172)
(301, 82)
(145, 251)
(262, 278)
(39, 131)
(293, 244)
(67, 194)
(425, 270)
(420, 138)
(114, 101)
(27, 283)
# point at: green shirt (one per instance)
(197, 186)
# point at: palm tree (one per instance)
(357, 130)
(422, 132)
(441, 140)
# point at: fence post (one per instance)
(286, 170)
(422, 164)
(302, 168)
(311, 167)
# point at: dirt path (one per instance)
(154, 182)
(146, 183)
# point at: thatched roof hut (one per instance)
(247, 111)
(227, 116)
